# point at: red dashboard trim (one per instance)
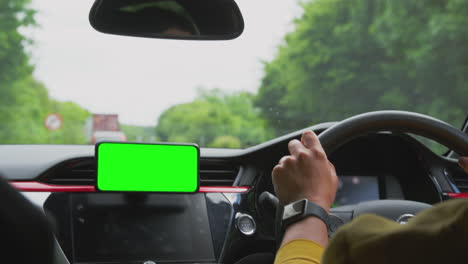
(458, 195)
(32, 186)
(223, 189)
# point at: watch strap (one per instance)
(302, 209)
(313, 209)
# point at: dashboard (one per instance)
(222, 223)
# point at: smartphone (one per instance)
(141, 167)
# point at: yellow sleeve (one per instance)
(300, 251)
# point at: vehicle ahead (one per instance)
(341, 58)
(102, 127)
(100, 136)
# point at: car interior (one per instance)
(232, 216)
(54, 210)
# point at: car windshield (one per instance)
(298, 63)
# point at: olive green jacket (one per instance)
(437, 235)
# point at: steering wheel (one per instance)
(393, 121)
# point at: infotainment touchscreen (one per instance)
(134, 228)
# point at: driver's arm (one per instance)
(306, 173)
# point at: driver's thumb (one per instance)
(463, 161)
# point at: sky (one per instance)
(139, 78)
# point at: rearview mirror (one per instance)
(170, 19)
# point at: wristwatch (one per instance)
(301, 209)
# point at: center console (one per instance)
(139, 228)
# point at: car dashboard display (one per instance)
(356, 189)
(119, 227)
(134, 228)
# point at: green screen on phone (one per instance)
(135, 167)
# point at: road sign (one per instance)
(53, 121)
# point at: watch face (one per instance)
(294, 209)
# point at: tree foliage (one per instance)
(354, 56)
(344, 57)
(14, 60)
(225, 142)
(22, 120)
(24, 102)
(139, 133)
(215, 119)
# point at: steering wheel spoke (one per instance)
(450, 177)
(397, 210)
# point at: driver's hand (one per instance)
(463, 161)
(306, 173)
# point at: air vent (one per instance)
(83, 172)
(72, 172)
(217, 173)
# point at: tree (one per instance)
(354, 56)
(225, 142)
(214, 118)
(139, 133)
(24, 101)
(14, 60)
(21, 119)
(74, 118)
